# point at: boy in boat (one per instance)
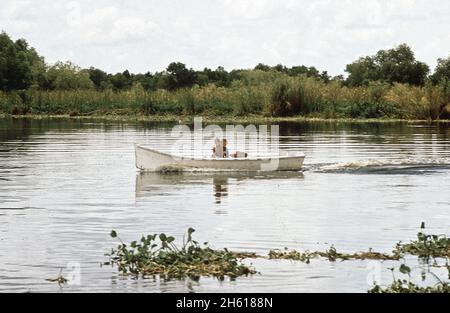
(220, 150)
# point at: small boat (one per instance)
(149, 160)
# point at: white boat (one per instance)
(149, 160)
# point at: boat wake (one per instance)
(386, 167)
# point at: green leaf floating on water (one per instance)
(404, 269)
(162, 257)
(170, 239)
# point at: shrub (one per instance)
(408, 100)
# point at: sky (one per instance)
(147, 35)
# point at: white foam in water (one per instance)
(380, 165)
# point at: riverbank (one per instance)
(255, 119)
(283, 99)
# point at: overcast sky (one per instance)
(146, 35)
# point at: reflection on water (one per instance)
(220, 188)
(65, 184)
(148, 184)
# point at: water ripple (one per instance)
(64, 186)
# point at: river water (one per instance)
(65, 184)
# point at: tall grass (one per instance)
(293, 96)
(257, 93)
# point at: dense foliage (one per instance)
(158, 255)
(20, 66)
(390, 84)
(442, 71)
(397, 65)
(426, 246)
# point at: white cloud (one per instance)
(17, 15)
(142, 35)
(106, 26)
(251, 9)
(132, 27)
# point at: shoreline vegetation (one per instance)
(221, 119)
(390, 85)
(284, 99)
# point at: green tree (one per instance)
(68, 76)
(262, 67)
(280, 68)
(160, 80)
(179, 76)
(324, 76)
(203, 77)
(20, 66)
(362, 71)
(219, 77)
(397, 65)
(98, 77)
(302, 70)
(147, 81)
(121, 81)
(442, 71)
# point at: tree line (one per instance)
(22, 68)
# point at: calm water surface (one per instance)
(65, 184)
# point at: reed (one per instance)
(257, 93)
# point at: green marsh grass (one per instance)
(280, 96)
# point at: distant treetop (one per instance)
(22, 68)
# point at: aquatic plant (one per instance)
(331, 254)
(407, 286)
(60, 279)
(426, 246)
(292, 255)
(158, 255)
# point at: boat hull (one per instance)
(149, 160)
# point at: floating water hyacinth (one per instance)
(158, 255)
